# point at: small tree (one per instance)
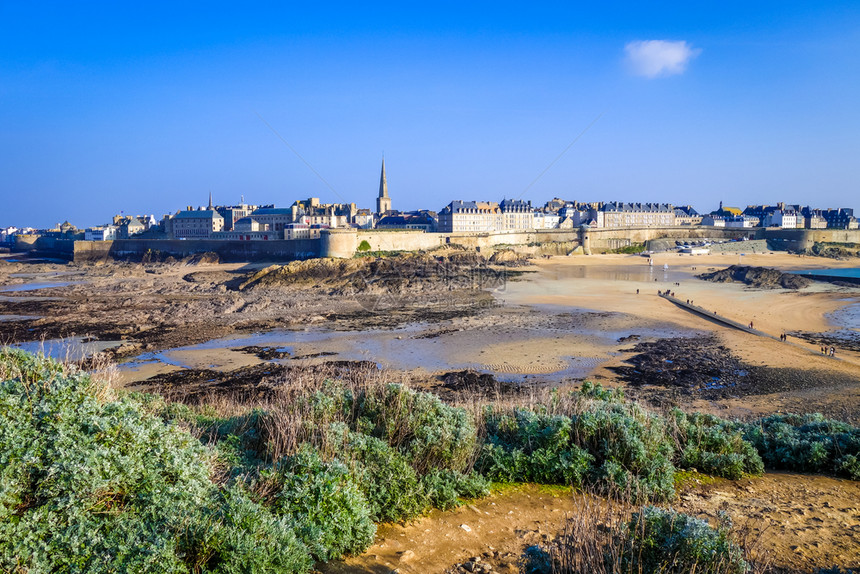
(364, 246)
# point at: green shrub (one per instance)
(714, 446)
(332, 402)
(670, 542)
(614, 445)
(633, 248)
(601, 440)
(386, 479)
(446, 489)
(428, 432)
(632, 450)
(849, 465)
(589, 390)
(532, 447)
(239, 536)
(88, 484)
(806, 443)
(536, 560)
(331, 514)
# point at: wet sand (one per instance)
(609, 283)
(566, 319)
(518, 343)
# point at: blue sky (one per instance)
(146, 108)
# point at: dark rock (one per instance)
(265, 353)
(474, 382)
(762, 277)
(702, 367)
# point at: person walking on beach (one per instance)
(832, 351)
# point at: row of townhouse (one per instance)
(307, 218)
(477, 216)
(782, 216)
(486, 216)
(121, 227)
(248, 222)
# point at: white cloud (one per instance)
(653, 58)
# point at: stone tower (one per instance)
(383, 202)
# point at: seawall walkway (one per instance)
(713, 316)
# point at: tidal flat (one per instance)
(552, 322)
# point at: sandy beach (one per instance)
(608, 283)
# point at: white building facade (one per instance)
(101, 233)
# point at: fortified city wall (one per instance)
(236, 251)
(344, 243)
(800, 239)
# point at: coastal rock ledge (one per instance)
(762, 277)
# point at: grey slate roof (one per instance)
(273, 211)
(637, 207)
(204, 214)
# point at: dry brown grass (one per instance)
(593, 541)
(285, 417)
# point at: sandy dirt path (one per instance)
(502, 523)
(804, 522)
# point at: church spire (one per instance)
(383, 183)
(210, 201)
(383, 202)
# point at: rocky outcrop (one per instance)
(831, 251)
(406, 272)
(762, 277)
(509, 257)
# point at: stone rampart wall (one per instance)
(135, 249)
(345, 242)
